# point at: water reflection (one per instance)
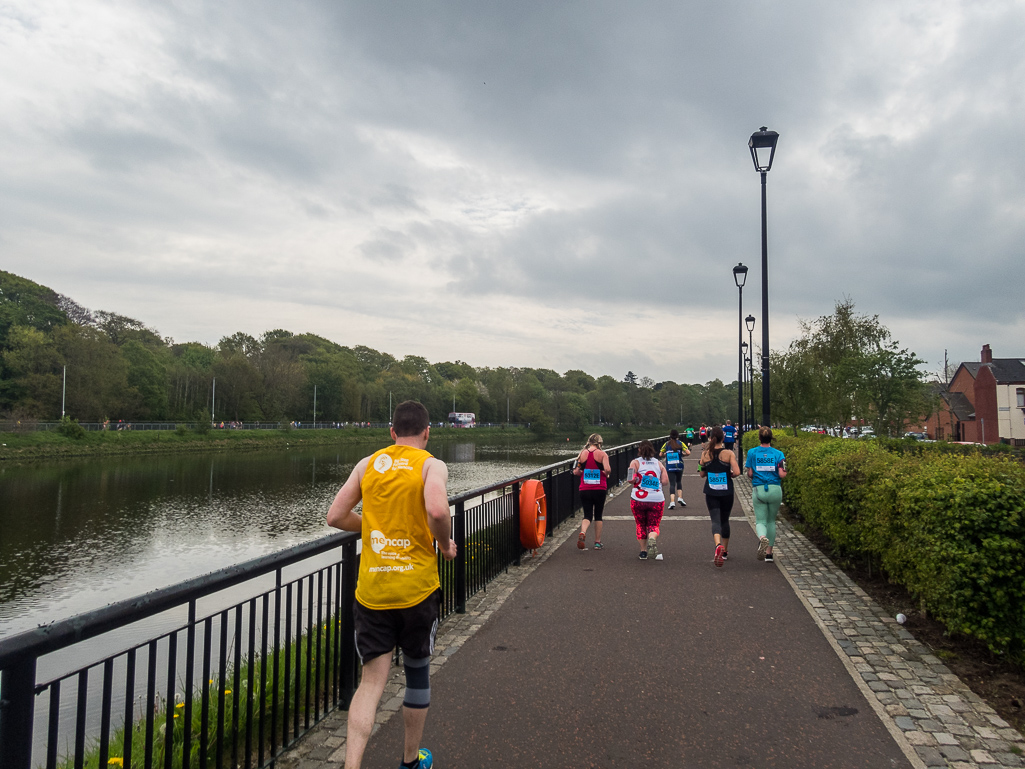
(77, 535)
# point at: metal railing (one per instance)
(238, 664)
(13, 426)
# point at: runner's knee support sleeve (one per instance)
(418, 682)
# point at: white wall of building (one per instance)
(1010, 416)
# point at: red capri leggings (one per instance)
(648, 516)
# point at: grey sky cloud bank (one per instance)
(563, 185)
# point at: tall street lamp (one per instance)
(747, 360)
(740, 278)
(763, 148)
(750, 321)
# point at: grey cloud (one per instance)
(898, 179)
(118, 150)
(388, 246)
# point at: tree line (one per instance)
(118, 368)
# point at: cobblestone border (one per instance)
(323, 747)
(933, 715)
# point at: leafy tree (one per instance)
(579, 381)
(795, 386)
(24, 303)
(891, 390)
(241, 343)
(467, 395)
(846, 364)
(75, 312)
(457, 370)
(238, 387)
(97, 386)
(189, 372)
(609, 402)
(540, 423)
(121, 329)
(147, 376)
(838, 344)
(32, 368)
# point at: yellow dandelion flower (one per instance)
(227, 691)
(116, 761)
(175, 715)
(180, 705)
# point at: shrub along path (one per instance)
(597, 659)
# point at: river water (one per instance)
(79, 534)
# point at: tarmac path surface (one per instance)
(598, 659)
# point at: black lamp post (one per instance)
(750, 321)
(750, 416)
(763, 148)
(745, 354)
(740, 278)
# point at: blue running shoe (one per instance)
(426, 759)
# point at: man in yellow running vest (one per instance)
(398, 593)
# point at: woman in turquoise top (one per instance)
(766, 467)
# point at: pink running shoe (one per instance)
(718, 557)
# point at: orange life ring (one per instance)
(533, 514)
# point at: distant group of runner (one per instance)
(649, 475)
(397, 499)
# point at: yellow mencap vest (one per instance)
(398, 566)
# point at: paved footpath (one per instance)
(596, 659)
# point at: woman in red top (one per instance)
(593, 468)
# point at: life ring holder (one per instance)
(533, 515)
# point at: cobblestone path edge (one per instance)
(933, 716)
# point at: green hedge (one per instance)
(949, 527)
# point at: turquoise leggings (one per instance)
(767, 500)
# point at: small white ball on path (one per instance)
(901, 619)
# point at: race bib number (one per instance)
(592, 477)
(650, 482)
(673, 459)
(717, 482)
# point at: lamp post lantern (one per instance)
(740, 278)
(763, 149)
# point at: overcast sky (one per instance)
(561, 185)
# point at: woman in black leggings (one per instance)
(672, 454)
(593, 468)
(719, 467)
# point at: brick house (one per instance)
(984, 402)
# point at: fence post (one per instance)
(350, 572)
(18, 689)
(460, 536)
(550, 523)
(516, 522)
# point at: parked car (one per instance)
(921, 437)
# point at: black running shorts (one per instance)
(379, 631)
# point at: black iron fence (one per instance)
(28, 426)
(230, 668)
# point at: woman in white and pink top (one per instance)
(647, 501)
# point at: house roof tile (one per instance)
(1005, 370)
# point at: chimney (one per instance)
(987, 354)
